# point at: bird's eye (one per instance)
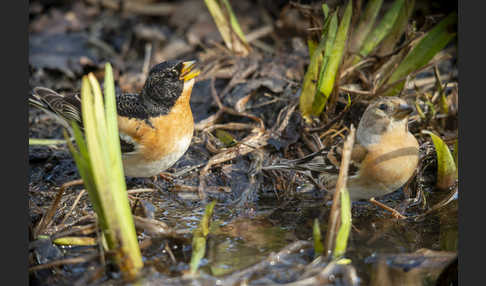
(383, 107)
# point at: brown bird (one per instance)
(155, 126)
(384, 157)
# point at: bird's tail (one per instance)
(64, 108)
(312, 162)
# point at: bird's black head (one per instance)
(163, 86)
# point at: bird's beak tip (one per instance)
(403, 111)
(188, 71)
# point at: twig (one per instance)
(147, 59)
(138, 191)
(74, 260)
(76, 201)
(334, 222)
(81, 229)
(394, 212)
(46, 220)
(258, 33)
(257, 139)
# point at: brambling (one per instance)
(155, 126)
(385, 154)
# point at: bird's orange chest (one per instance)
(392, 160)
(165, 134)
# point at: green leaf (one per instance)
(325, 10)
(237, 44)
(199, 238)
(345, 228)
(336, 55)
(198, 252)
(320, 98)
(444, 106)
(234, 22)
(434, 41)
(225, 137)
(316, 233)
(367, 20)
(83, 162)
(456, 145)
(207, 217)
(78, 241)
(390, 42)
(310, 79)
(446, 167)
(99, 163)
(312, 45)
(310, 97)
(420, 111)
(382, 30)
(37, 141)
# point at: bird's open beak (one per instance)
(188, 72)
(402, 111)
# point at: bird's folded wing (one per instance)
(327, 160)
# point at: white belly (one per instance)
(135, 165)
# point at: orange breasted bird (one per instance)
(155, 126)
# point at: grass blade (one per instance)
(100, 166)
(310, 99)
(446, 167)
(390, 42)
(336, 55)
(345, 228)
(234, 22)
(456, 151)
(37, 141)
(320, 98)
(434, 41)
(316, 233)
(306, 98)
(73, 240)
(381, 31)
(227, 29)
(199, 238)
(365, 25)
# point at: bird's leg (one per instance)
(154, 178)
(166, 176)
(163, 175)
(394, 212)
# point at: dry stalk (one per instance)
(76, 201)
(74, 260)
(46, 220)
(257, 139)
(334, 216)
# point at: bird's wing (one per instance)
(64, 107)
(327, 160)
(67, 108)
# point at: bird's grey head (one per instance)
(383, 115)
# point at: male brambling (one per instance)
(155, 127)
(385, 154)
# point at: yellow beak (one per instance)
(188, 72)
